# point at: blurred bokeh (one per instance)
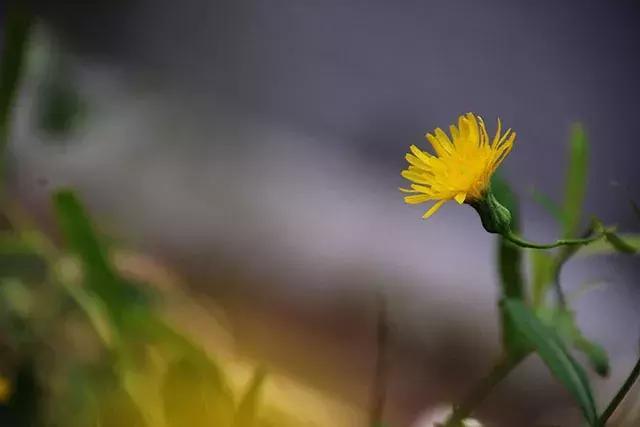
(248, 154)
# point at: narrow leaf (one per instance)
(619, 244)
(604, 247)
(99, 275)
(553, 352)
(563, 322)
(576, 181)
(549, 205)
(16, 33)
(542, 271)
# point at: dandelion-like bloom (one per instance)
(462, 166)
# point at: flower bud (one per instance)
(495, 217)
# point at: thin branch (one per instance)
(619, 397)
(482, 390)
(379, 390)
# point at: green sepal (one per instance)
(494, 216)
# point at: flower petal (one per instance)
(433, 209)
(424, 157)
(460, 197)
(497, 137)
(416, 199)
(406, 190)
(415, 177)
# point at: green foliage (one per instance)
(100, 278)
(619, 243)
(576, 182)
(549, 205)
(551, 349)
(605, 247)
(542, 275)
(510, 267)
(564, 323)
(569, 214)
(60, 106)
(16, 33)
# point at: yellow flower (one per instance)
(462, 166)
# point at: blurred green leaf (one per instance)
(100, 277)
(542, 272)
(576, 181)
(596, 354)
(59, 107)
(193, 396)
(553, 352)
(549, 205)
(248, 407)
(16, 34)
(605, 247)
(619, 244)
(564, 323)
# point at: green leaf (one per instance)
(60, 107)
(576, 181)
(16, 33)
(553, 352)
(596, 354)
(542, 272)
(619, 244)
(247, 412)
(564, 323)
(606, 247)
(99, 275)
(549, 205)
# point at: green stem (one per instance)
(519, 241)
(561, 259)
(482, 390)
(619, 397)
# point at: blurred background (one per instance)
(247, 154)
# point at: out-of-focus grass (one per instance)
(90, 338)
(103, 347)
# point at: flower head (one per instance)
(462, 166)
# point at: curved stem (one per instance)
(482, 390)
(619, 397)
(519, 241)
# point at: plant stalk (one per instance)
(482, 390)
(619, 397)
(519, 241)
(379, 390)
